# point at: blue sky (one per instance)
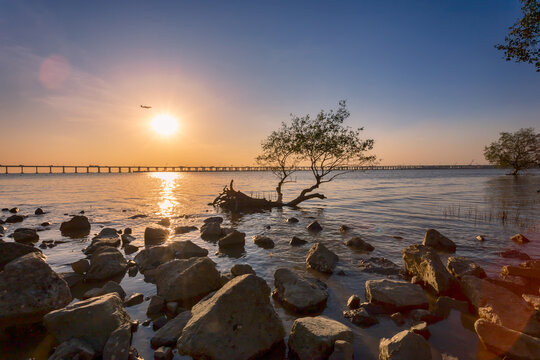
(422, 77)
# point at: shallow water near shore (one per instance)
(378, 206)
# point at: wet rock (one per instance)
(297, 293)
(211, 231)
(353, 302)
(171, 307)
(5, 209)
(109, 288)
(516, 284)
(118, 344)
(30, 289)
(164, 222)
(187, 281)
(159, 322)
(2, 229)
(379, 265)
(360, 317)
(14, 219)
(156, 305)
(358, 244)
(397, 237)
(105, 263)
(10, 251)
(438, 241)
(404, 345)
(170, 332)
(213, 219)
(398, 318)
(101, 241)
(126, 239)
(14, 210)
(81, 266)
(313, 338)
(130, 249)
(163, 353)
(343, 350)
(100, 315)
(505, 342)
(396, 295)
(138, 216)
(187, 249)
(421, 329)
(155, 236)
(263, 241)
(514, 254)
(252, 327)
(423, 315)
(128, 231)
(321, 259)
(480, 237)
(314, 226)
(184, 229)
(73, 349)
(45, 224)
(521, 271)
(39, 211)
(296, 241)
(134, 299)
(71, 278)
(344, 228)
(292, 220)
(150, 258)
(460, 266)
(25, 236)
(532, 300)
(520, 239)
(445, 304)
(425, 263)
(234, 239)
(77, 226)
(242, 269)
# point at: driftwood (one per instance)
(234, 200)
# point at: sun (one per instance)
(164, 124)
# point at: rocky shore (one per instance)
(202, 312)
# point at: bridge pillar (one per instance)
(50, 169)
(76, 170)
(99, 169)
(119, 169)
(36, 169)
(7, 170)
(87, 169)
(63, 169)
(130, 169)
(22, 169)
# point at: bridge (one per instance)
(99, 169)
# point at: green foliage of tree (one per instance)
(522, 42)
(517, 151)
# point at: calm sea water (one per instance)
(376, 205)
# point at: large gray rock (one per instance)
(313, 338)
(171, 331)
(424, 262)
(321, 259)
(187, 281)
(237, 322)
(105, 263)
(9, 251)
(150, 258)
(76, 226)
(29, 289)
(187, 249)
(155, 236)
(461, 266)
(404, 345)
(297, 293)
(396, 295)
(25, 236)
(438, 241)
(507, 343)
(91, 321)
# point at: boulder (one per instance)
(234, 239)
(213, 219)
(103, 241)
(358, 244)
(170, 332)
(128, 231)
(360, 317)
(424, 262)
(14, 210)
(438, 241)
(460, 266)
(314, 226)
(263, 241)
(163, 353)
(156, 305)
(423, 315)
(321, 259)
(507, 343)
(313, 338)
(532, 300)
(187, 249)
(130, 249)
(164, 222)
(396, 295)
(10, 251)
(184, 229)
(105, 263)
(106, 232)
(292, 220)
(134, 299)
(421, 329)
(404, 345)
(108, 288)
(251, 328)
(126, 239)
(379, 265)
(343, 350)
(155, 236)
(25, 236)
(299, 294)
(520, 239)
(296, 241)
(445, 304)
(211, 231)
(77, 226)
(73, 349)
(522, 271)
(14, 219)
(242, 269)
(71, 278)
(91, 321)
(187, 281)
(398, 318)
(353, 302)
(118, 344)
(514, 254)
(150, 258)
(29, 289)
(81, 266)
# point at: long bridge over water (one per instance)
(100, 169)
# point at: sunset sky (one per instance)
(422, 77)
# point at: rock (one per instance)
(102, 241)
(398, 318)
(358, 244)
(81, 266)
(353, 302)
(296, 241)
(313, 338)
(134, 299)
(10, 251)
(404, 345)
(343, 350)
(516, 284)
(445, 304)
(532, 300)
(126, 239)
(118, 344)
(159, 322)
(314, 226)
(397, 237)
(164, 222)
(71, 278)
(106, 233)
(425, 263)
(344, 228)
(242, 269)
(25, 236)
(321, 259)
(360, 317)
(100, 316)
(396, 295)
(438, 241)
(460, 266)
(150, 258)
(507, 343)
(187, 249)
(187, 281)
(155, 236)
(128, 231)
(130, 249)
(105, 263)
(163, 353)
(480, 238)
(14, 219)
(292, 220)
(73, 349)
(263, 241)
(156, 305)
(252, 327)
(184, 229)
(234, 239)
(211, 231)
(108, 288)
(170, 332)
(2, 229)
(521, 271)
(421, 329)
(77, 226)
(213, 219)
(297, 293)
(39, 211)
(379, 265)
(14, 210)
(520, 239)
(423, 315)
(514, 254)
(29, 290)
(138, 216)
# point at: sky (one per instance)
(422, 77)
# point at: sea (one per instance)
(390, 209)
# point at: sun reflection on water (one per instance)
(169, 183)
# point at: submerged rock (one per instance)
(105, 263)
(296, 241)
(314, 226)
(10, 251)
(520, 239)
(505, 342)
(292, 220)
(404, 345)
(358, 244)
(263, 241)
(297, 293)
(396, 295)
(321, 259)
(438, 241)
(461, 266)
(514, 254)
(77, 226)
(155, 236)
(14, 219)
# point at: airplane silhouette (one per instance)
(146, 107)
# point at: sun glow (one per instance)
(164, 124)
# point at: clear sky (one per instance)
(422, 77)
